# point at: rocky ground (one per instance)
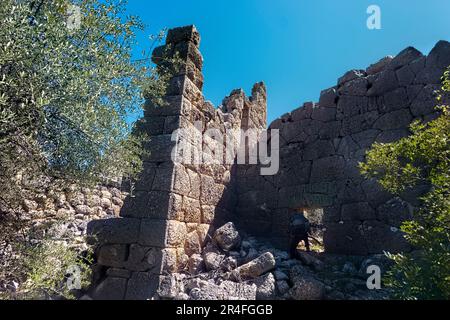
(234, 266)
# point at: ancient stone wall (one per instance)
(322, 144)
(177, 203)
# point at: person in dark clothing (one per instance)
(299, 231)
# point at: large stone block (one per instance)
(318, 149)
(142, 286)
(211, 192)
(153, 233)
(395, 212)
(142, 258)
(359, 123)
(425, 102)
(405, 57)
(382, 82)
(324, 114)
(112, 255)
(357, 212)
(160, 148)
(192, 211)
(328, 98)
(174, 105)
(114, 231)
(153, 204)
(110, 289)
(356, 87)
(381, 237)
(345, 238)
(351, 75)
(327, 169)
(176, 233)
(394, 120)
(395, 100)
(183, 34)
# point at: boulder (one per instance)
(265, 287)
(253, 269)
(195, 264)
(170, 286)
(213, 260)
(308, 288)
(311, 261)
(227, 237)
(282, 287)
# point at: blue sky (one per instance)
(297, 47)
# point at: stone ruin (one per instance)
(175, 207)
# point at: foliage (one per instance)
(54, 270)
(422, 159)
(68, 86)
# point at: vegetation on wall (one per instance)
(422, 159)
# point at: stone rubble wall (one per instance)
(68, 212)
(322, 144)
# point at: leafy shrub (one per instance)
(420, 159)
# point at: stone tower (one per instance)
(176, 205)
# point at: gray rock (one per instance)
(349, 268)
(308, 288)
(265, 287)
(255, 268)
(170, 286)
(282, 287)
(227, 237)
(195, 264)
(280, 275)
(213, 260)
(311, 261)
(351, 75)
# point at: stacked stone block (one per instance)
(176, 204)
(322, 144)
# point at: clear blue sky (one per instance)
(297, 47)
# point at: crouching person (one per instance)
(299, 231)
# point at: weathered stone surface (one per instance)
(196, 264)
(357, 211)
(308, 289)
(142, 286)
(394, 120)
(395, 212)
(379, 66)
(351, 75)
(328, 98)
(176, 233)
(324, 114)
(112, 255)
(153, 233)
(213, 260)
(170, 286)
(111, 289)
(227, 237)
(255, 268)
(405, 57)
(327, 169)
(120, 231)
(266, 289)
(192, 244)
